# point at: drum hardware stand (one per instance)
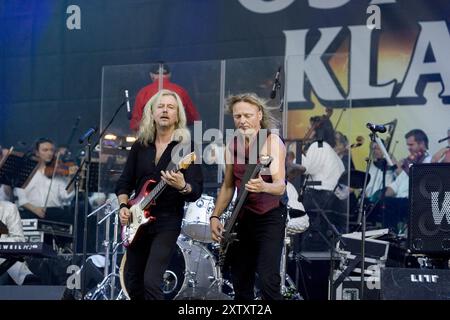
(288, 292)
(110, 277)
(219, 281)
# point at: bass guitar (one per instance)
(229, 234)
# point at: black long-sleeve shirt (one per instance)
(140, 167)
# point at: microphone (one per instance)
(127, 100)
(276, 82)
(87, 135)
(376, 127)
(443, 139)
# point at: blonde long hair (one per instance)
(267, 121)
(147, 127)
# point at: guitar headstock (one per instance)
(187, 160)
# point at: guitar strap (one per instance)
(166, 156)
(177, 147)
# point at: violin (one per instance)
(59, 168)
(413, 159)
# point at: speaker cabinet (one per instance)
(415, 284)
(429, 208)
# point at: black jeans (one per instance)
(147, 260)
(258, 250)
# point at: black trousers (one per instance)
(147, 260)
(258, 250)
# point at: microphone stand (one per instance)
(339, 119)
(362, 213)
(280, 96)
(278, 91)
(88, 158)
(383, 194)
(86, 162)
(75, 220)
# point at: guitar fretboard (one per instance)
(155, 192)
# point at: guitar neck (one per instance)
(156, 191)
(242, 197)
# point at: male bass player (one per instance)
(161, 132)
(260, 229)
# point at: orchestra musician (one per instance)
(342, 148)
(378, 171)
(150, 90)
(443, 154)
(417, 143)
(323, 168)
(45, 196)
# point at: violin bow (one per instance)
(51, 180)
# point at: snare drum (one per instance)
(196, 219)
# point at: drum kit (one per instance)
(192, 273)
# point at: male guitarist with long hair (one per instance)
(162, 131)
(261, 220)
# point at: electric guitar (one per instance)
(140, 206)
(230, 235)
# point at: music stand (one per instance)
(16, 169)
(93, 177)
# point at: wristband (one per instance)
(185, 188)
(214, 217)
(123, 205)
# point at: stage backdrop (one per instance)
(371, 61)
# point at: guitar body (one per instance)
(139, 217)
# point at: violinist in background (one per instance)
(45, 197)
(380, 174)
(417, 143)
(443, 155)
(342, 148)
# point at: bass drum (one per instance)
(190, 274)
